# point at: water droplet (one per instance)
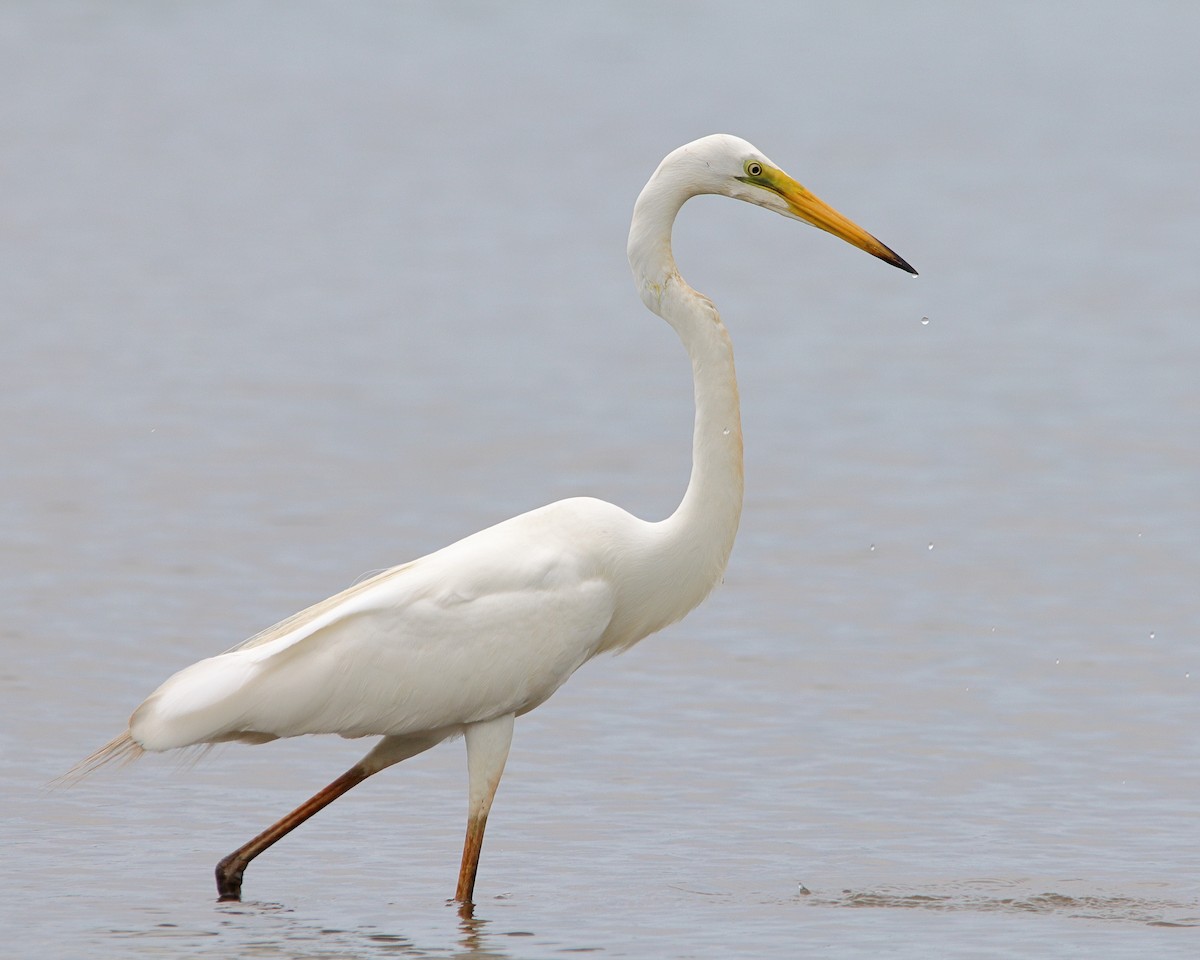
(924, 321)
(1151, 634)
(1187, 676)
(930, 544)
(725, 431)
(872, 548)
(1057, 662)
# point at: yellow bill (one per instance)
(805, 206)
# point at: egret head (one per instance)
(734, 168)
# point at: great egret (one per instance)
(466, 639)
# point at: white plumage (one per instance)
(465, 639)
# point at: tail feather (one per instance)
(120, 750)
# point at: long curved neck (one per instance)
(696, 540)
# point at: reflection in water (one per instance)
(472, 943)
(267, 930)
(270, 930)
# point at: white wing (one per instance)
(490, 625)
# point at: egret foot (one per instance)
(229, 877)
(230, 870)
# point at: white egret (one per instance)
(468, 638)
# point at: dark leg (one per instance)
(230, 870)
(487, 750)
(470, 859)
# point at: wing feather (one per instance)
(492, 624)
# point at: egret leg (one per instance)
(230, 870)
(389, 750)
(487, 751)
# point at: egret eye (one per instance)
(753, 168)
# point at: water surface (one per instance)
(292, 294)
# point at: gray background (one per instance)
(292, 292)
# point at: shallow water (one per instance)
(292, 297)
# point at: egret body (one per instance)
(467, 639)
